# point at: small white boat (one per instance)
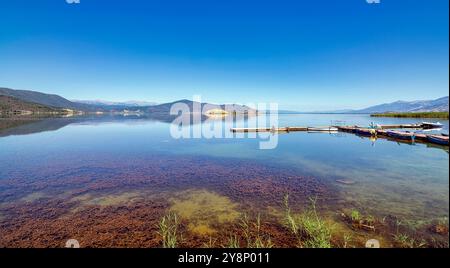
(322, 129)
(431, 125)
(431, 129)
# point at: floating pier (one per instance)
(323, 128)
(280, 129)
(381, 131)
(287, 129)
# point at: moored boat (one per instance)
(347, 129)
(381, 132)
(428, 125)
(322, 129)
(420, 136)
(438, 139)
(400, 135)
(366, 132)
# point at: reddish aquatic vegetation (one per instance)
(53, 214)
(234, 178)
(51, 224)
(56, 213)
(271, 190)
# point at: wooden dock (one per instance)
(324, 128)
(379, 132)
(280, 129)
(286, 129)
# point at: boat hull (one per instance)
(325, 129)
(441, 140)
(427, 125)
(366, 132)
(400, 135)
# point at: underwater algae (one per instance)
(204, 210)
(108, 200)
(33, 197)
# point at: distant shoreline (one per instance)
(294, 112)
(442, 115)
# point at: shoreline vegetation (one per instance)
(309, 229)
(442, 115)
(11, 107)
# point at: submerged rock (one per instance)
(372, 243)
(440, 229)
(346, 182)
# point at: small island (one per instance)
(216, 112)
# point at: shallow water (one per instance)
(113, 162)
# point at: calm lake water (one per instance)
(115, 160)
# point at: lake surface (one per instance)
(106, 181)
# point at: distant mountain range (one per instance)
(112, 103)
(438, 105)
(49, 100)
(165, 107)
(52, 101)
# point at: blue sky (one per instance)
(305, 55)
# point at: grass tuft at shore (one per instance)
(168, 230)
(311, 230)
(304, 229)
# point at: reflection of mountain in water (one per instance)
(26, 126)
(30, 125)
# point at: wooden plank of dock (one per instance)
(280, 129)
(250, 129)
